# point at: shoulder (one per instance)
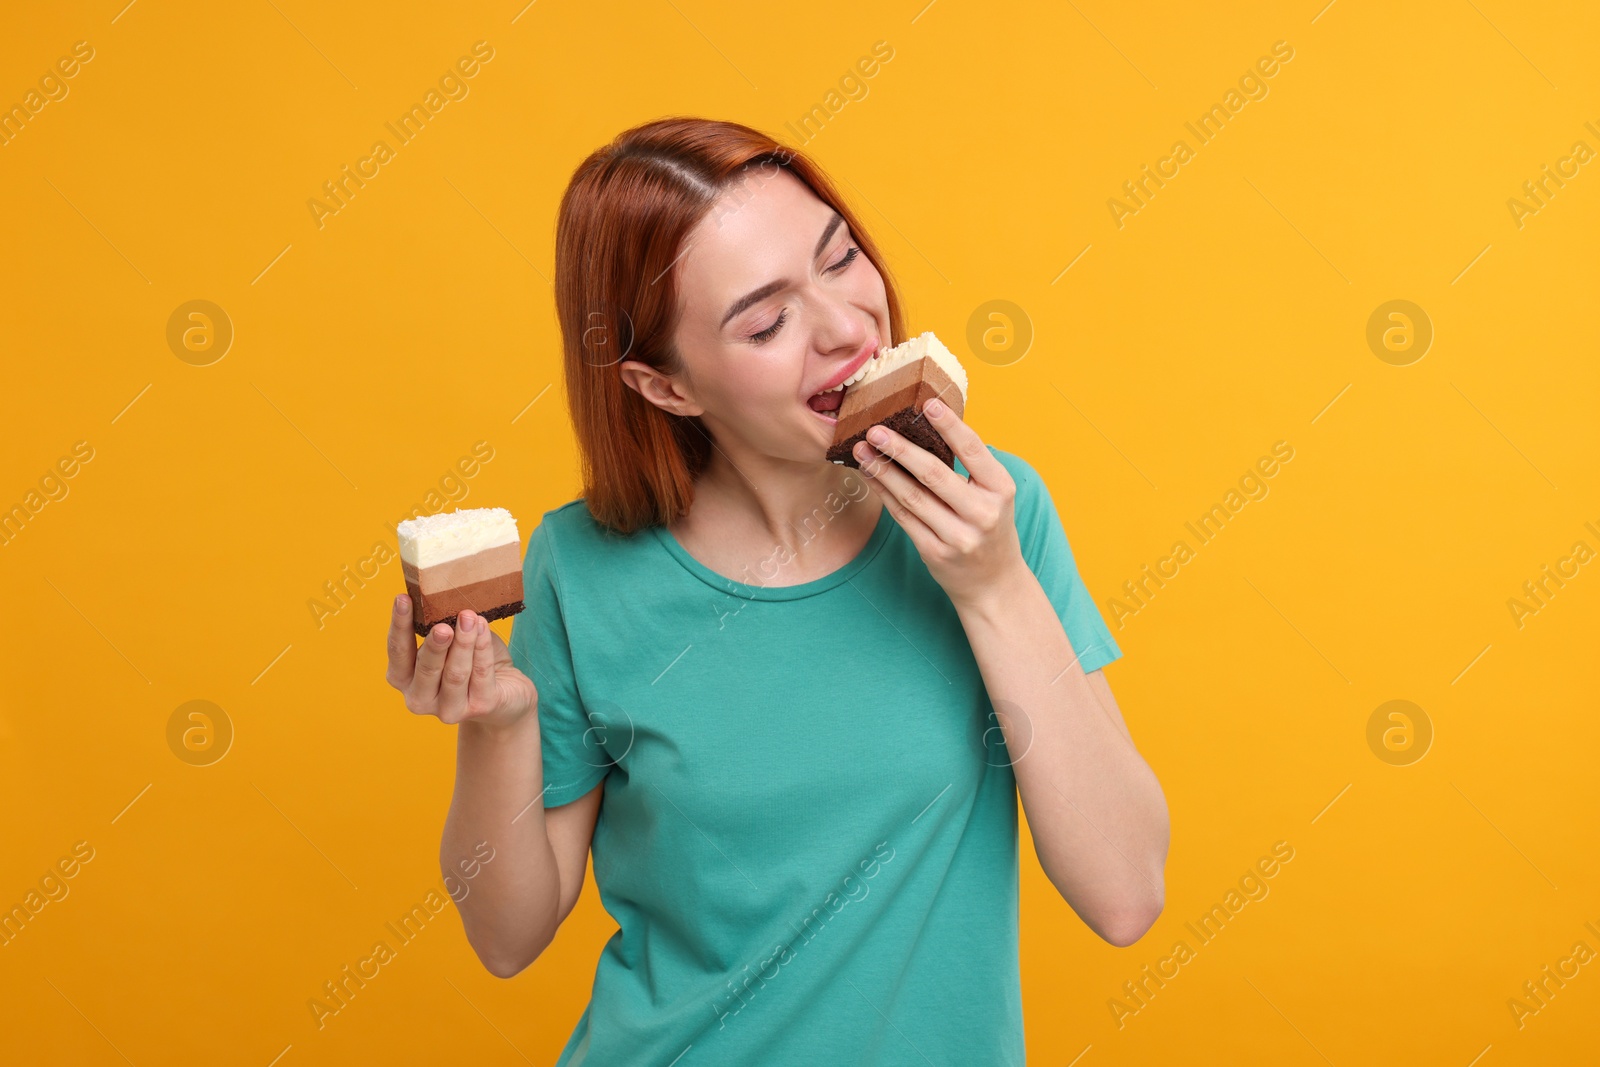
(568, 537)
(1037, 518)
(560, 552)
(1027, 479)
(1021, 470)
(567, 522)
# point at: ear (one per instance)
(658, 388)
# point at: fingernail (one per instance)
(934, 407)
(877, 435)
(401, 602)
(466, 622)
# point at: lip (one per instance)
(850, 368)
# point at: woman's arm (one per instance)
(513, 869)
(512, 906)
(1097, 814)
(1094, 807)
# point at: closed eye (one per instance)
(770, 332)
(849, 257)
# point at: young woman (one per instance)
(788, 706)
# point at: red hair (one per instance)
(621, 227)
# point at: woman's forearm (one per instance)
(509, 906)
(1095, 810)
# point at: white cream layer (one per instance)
(435, 539)
(890, 360)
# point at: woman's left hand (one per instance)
(964, 528)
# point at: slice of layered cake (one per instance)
(464, 559)
(892, 388)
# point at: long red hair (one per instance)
(623, 220)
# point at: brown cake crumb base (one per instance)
(492, 614)
(908, 424)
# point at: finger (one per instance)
(929, 470)
(402, 644)
(911, 494)
(424, 689)
(965, 443)
(458, 669)
(481, 687)
(875, 466)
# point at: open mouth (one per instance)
(827, 403)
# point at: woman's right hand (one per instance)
(464, 676)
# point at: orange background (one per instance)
(1228, 313)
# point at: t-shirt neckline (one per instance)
(724, 584)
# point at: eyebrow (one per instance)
(755, 296)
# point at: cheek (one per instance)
(867, 285)
(755, 380)
(866, 290)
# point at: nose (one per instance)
(842, 328)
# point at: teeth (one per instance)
(854, 378)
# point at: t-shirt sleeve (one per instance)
(539, 648)
(1044, 546)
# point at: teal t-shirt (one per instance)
(808, 833)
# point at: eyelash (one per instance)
(772, 331)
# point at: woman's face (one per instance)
(778, 303)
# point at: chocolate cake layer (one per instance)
(896, 401)
(868, 403)
(478, 567)
(492, 614)
(493, 599)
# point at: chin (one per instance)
(824, 425)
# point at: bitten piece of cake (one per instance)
(465, 559)
(898, 381)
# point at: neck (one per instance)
(764, 507)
